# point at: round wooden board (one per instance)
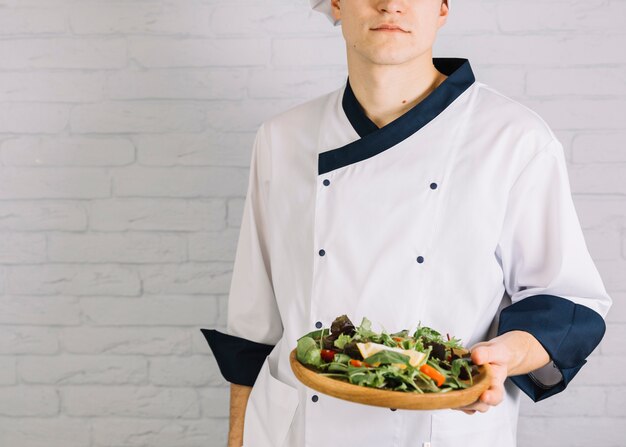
(389, 398)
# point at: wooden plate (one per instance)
(389, 398)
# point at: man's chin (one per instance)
(391, 59)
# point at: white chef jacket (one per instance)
(458, 215)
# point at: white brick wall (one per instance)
(125, 135)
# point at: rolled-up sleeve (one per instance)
(254, 325)
(557, 294)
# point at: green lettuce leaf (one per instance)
(307, 352)
(342, 340)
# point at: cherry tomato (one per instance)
(328, 355)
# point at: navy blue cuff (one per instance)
(569, 332)
(239, 359)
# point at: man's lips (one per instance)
(389, 28)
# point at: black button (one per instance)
(314, 398)
(318, 324)
(393, 409)
(433, 186)
(326, 182)
(322, 252)
(420, 259)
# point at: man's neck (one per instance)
(386, 92)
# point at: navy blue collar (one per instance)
(375, 140)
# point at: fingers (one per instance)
(489, 352)
(473, 408)
(492, 396)
(494, 354)
(495, 393)
(481, 407)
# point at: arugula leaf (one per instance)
(339, 364)
(408, 380)
(386, 340)
(316, 334)
(337, 367)
(401, 387)
(427, 383)
(418, 346)
(342, 358)
(403, 333)
(388, 357)
(364, 331)
(456, 366)
(453, 343)
(427, 333)
(359, 375)
(462, 363)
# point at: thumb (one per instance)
(487, 353)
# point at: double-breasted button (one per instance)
(314, 398)
(420, 259)
(318, 324)
(393, 409)
(326, 182)
(322, 252)
(433, 186)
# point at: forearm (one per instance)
(238, 400)
(526, 353)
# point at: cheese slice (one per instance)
(368, 349)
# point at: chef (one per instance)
(412, 193)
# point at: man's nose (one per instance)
(392, 6)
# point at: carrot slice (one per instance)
(433, 374)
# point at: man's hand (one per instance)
(510, 354)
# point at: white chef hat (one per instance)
(324, 7)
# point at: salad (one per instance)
(422, 362)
